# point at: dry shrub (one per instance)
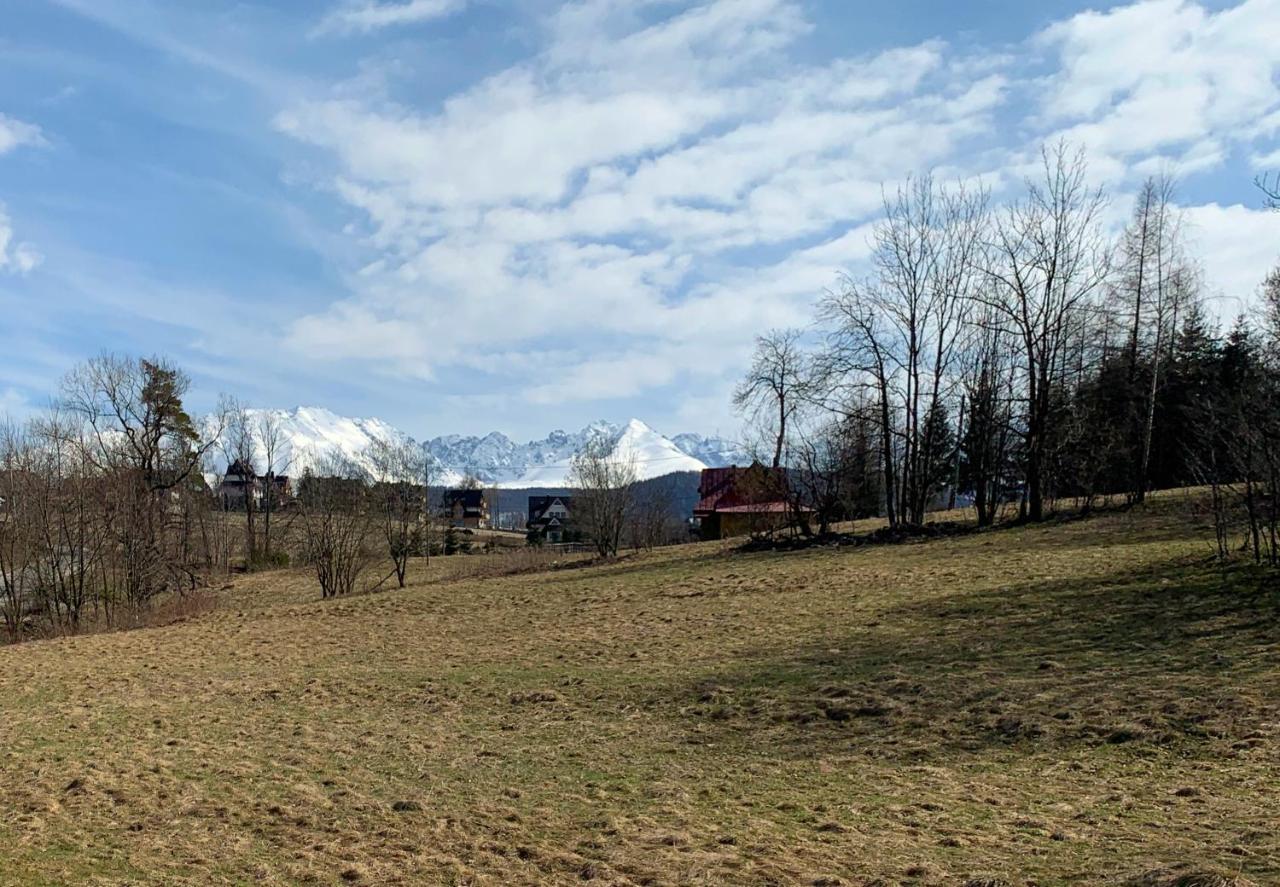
(174, 608)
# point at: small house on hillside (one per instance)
(240, 483)
(737, 501)
(467, 508)
(550, 516)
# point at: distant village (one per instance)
(731, 501)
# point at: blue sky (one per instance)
(465, 215)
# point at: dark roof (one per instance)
(539, 504)
(734, 489)
(467, 498)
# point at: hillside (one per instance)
(1078, 703)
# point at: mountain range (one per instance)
(308, 433)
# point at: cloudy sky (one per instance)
(466, 215)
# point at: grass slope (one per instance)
(1070, 704)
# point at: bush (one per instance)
(260, 561)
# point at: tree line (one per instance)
(1018, 357)
(109, 502)
(105, 506)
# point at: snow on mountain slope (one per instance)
(652, 454)
(310, 433)
(716, 452)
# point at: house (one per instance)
(551, 517)
(467, 508)
(737, 501)
(240, 482)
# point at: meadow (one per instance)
(1083, 702)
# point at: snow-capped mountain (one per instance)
(309, 433)
(714, 452)
(652, 454)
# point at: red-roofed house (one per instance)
(736, 501)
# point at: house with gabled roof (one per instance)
(551, 517)
(467, 508)
(737, 501)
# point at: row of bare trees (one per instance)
(611, 506)
(103, 507)
(1013, 355)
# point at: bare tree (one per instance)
(1269, 185)
(139, 438)
(400, 468)
(855, 366)
(333, 502)
(770, 394)
(900, 335)
(985, 444)
(239, 450)
(1155, 281)
(270, 439)
(1046, 266)
(604, 491)
(17, 542)
(833, 470)
(650, 522)
(67, 516)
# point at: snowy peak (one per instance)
(310, 433)
(652, 454)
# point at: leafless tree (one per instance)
(899, 335)
(650, 523)
(67, 517)
(1047, 263)
(1269, 185)
(855, 368)
(833, 469)
(140, 440)
(1270, 309)
(604, 490)
(17, 542)
(270, 439)
(333, 500)
(1155, 280)
(238, 444)
(400, 467)
(770, 394)
(988, 379)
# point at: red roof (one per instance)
(735, 490)
(760, 508)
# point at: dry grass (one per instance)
(1086, 703)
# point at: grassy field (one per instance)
(1079, 703)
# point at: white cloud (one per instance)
(371, 16)
(664, 179)
(14, 405)
(1238, 246)
(1163, 76)
(15, 133)
(16, 257)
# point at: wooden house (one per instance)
(467, 509)
(551, 516)
(737, 501)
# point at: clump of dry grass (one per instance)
(1181, 877)
(1066, 704)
